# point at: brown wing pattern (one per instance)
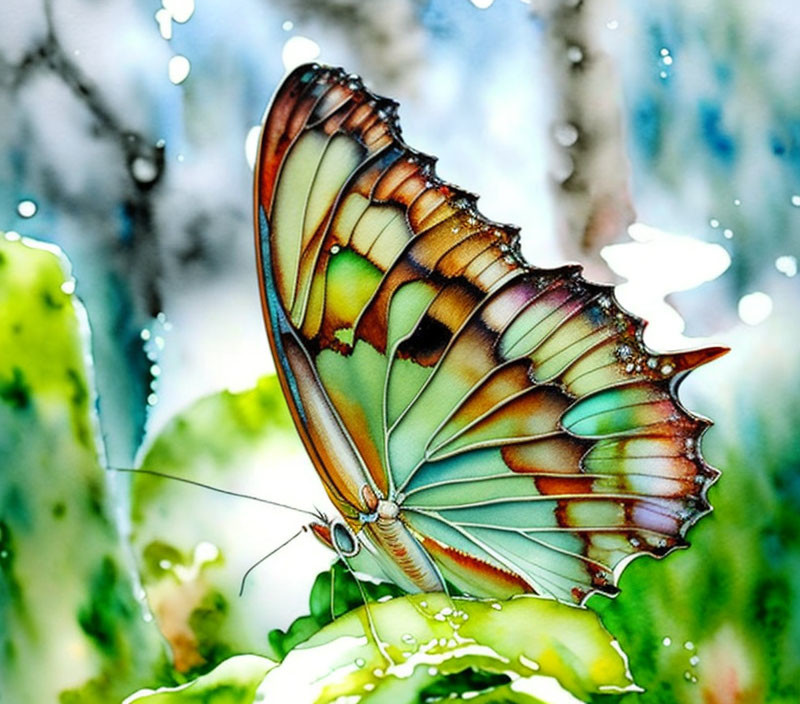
(514, 412)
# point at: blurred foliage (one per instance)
(70, 627)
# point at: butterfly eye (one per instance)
(344, 540)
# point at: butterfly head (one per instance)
(335, 534)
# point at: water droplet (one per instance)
(612, 24)
(755, 308)
(145, 334)
(377, 672)
(688, 645)
(575, 54)
(787, 265)
(713, 222)
(161, 317)
(152, 400)
(652, 362)
(181, 10)
(423, 604)
(629, 367)
(796, 200)
(68, 287)
(566, 134)
(164, 564)
(664, 52)
(13, 236)
(360, 662)
(144, 170)
(407, 638)
(666, 642)
(164, 22)
(694, 660)
(336, 249)
(155, 370)
(298, 50)
(432, 671)
(26, 208)
(496, 606)
(727, 233)
(667, 369)
(147, 617)
(482, 4)
(737, 202)
(624, 352)
(667, 61)
(160, 340)
(178, 69)
(287, 26)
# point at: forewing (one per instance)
(533, 441)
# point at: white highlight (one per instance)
(755, 308)
(482, 4)
(787, 265)
(251, 145)
(178, 69)
(656, 264)
(298, 50)
(180, 10)
(26, 208)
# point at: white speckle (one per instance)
(612, 24)
(152, 400)
(298, 50)
(496, 606)
(482, 4)
(787, 265)
(755, 308)
(737, 202)
(727, 233)
(164, 21)
(713, 222)
(68, 287)
(667, 61)
(147, 617)
(796, 201)
(164, 564)
(155, 370)
(694, 660)
(178, 69)
(287, 26)
(575, 54)
(432, 671)
(180, 10)
(688, 645)
(251, 145)
(160, 340)
(663, 74)
(161, 317)
(666, 642)
(26, 208)
(665, 52)
(667, 369)
(566, 134)
(360, 662)
(336, 249)
(144, 170)
(12, 236)
(206, 552)
(180, 157)
(145, 334)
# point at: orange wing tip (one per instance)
(686, 361)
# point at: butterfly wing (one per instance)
(532, 440)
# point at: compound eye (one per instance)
(344, 540)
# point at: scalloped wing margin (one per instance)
(533, 440)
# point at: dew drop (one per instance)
(755, 308)
(155, 370)
(68, 287)
(287, 26)
(336, 249)
(688, 645)
(667, 369)
(178, 69)
(667, 61)
(26, 208)
(787, 265)
(496, 606)
(144, 170)
(714, 222)
(575, 54)
(145, 334)
(152, 400)
(694, 660)
(652, 362)
(666, 642)
(612, 24)
(566, 134)
(796, 200)
(727, 233)
(360, 662)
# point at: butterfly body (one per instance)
(474, 419)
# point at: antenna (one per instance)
(269, 554)
(164, 475)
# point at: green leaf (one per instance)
(233, 682)
(429, 636)
(433, 648)
(70, 627)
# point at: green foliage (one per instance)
(426, 642)
(70, 628)
(326, 603)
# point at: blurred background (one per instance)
(657, 143)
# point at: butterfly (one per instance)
(477, 421)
